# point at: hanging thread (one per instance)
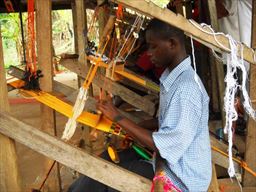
(194, 61)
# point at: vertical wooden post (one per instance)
(74, 18)
(80, 31)
(44, 58)
(214, 185)
(9, 176)
(217, 67)
(103, 17)
(250, 152)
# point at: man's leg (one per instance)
(129, 160)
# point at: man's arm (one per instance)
(151, 124)
(139, 133)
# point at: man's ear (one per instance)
(172, 43)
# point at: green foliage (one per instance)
(161, 3)
(10, 32)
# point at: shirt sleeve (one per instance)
(178, 128)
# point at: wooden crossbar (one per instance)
(177, 20)
(83, 162)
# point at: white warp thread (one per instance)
(232, 86)
(229, 107)
(233, 64)
(194, 62)
(77, 110)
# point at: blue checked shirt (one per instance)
(183, 136)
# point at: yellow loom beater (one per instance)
(93, 120)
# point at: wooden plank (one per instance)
(81, 30)
(214, 185)
(151, 10)
(222, 161)
(213, 66)
(216, 66)
(111, 86)
(44, 59)
(250, 151)
(228, 185)
(82, 162)
(102, 17)
(9, 175)
(74, 18)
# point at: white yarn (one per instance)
(247, 101)
(136, 36)
(231, 114)
(233, 63)
(77, 110)
(128, 36)
(194, 62)
(222, 60)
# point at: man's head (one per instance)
(165, 43)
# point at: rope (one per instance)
(232, 85)
(194, 62)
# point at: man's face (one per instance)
(159, 50)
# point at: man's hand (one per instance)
(108, 109)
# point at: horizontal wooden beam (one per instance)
(111, 86)
(56, 149)
(150, 9)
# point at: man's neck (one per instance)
(178, 60)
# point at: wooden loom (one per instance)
(90, 119)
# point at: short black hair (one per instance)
(164, 30)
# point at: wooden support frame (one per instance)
(250, 153)
(82, 162)
(90, 104)
(214, 185)
(70, 92)
(9, 174)
(113, 87)
(151, 10)
(216, 66)
(45, 62)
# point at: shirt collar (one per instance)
(167, 78)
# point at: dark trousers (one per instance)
(129, 160)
